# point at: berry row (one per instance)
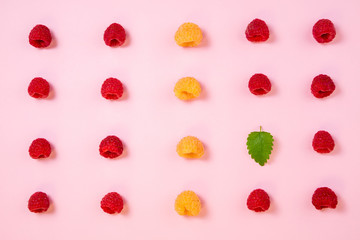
(188, 203)
(188, 34)
(188, 88)
(189, 147)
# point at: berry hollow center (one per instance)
(323, 150)
(325, 36)
(38, 210)
(37, 95)
(187, 94)
(188, 44)
(40, 42)
(114, 42)
(191, 155)
(110, 154)
(108, 210)
(260, 91)
(258, 209)
(112, 96)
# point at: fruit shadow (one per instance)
(125, 95)
(125, 211)
(204, 210)
(273, 209)
(127, 40)
(274, 90)
(274, 152)
(51, 93)
(125, 152)
(204, 93)
(51, 209)
(53, 153)
(206, 156)
(341, 207)
(335, 93)
(272, 36)
(337, 148)
(54, 42)
(205, 41)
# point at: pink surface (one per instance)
(151, 120)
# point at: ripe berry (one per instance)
(188, 203)
(324, 197)
(188, 35)
(257, 31)
(39, 88)
(38, 202)
(323, 142)
(259, 84)
(322, 86)
(324, 31)
(112, 203)
(40, 36)
(187, 88)
(111, 147)
(40, 148)
(114, 35)
(258, 201)
(112, 89)
(190, 147)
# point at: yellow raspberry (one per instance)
(190, 147)
(187, 88)
(188, 203)
(188, 35)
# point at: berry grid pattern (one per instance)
(150, 120)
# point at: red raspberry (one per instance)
(38, 202)
(259, 84)
(112, 203)
(40, 148)
(114, 35)
(324, 197)
(322, 86)
(258, 201)
(257, 31)
(40, 36)
(111, 147)
(112, 89)
(324, 31)
(323, 142)
(39, 88)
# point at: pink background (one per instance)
(151, 120)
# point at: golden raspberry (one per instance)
(188, 203)
(190, 147)
(187, 88)
(188, 35)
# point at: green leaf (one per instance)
(260, 145)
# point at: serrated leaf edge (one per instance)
(267, 152)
